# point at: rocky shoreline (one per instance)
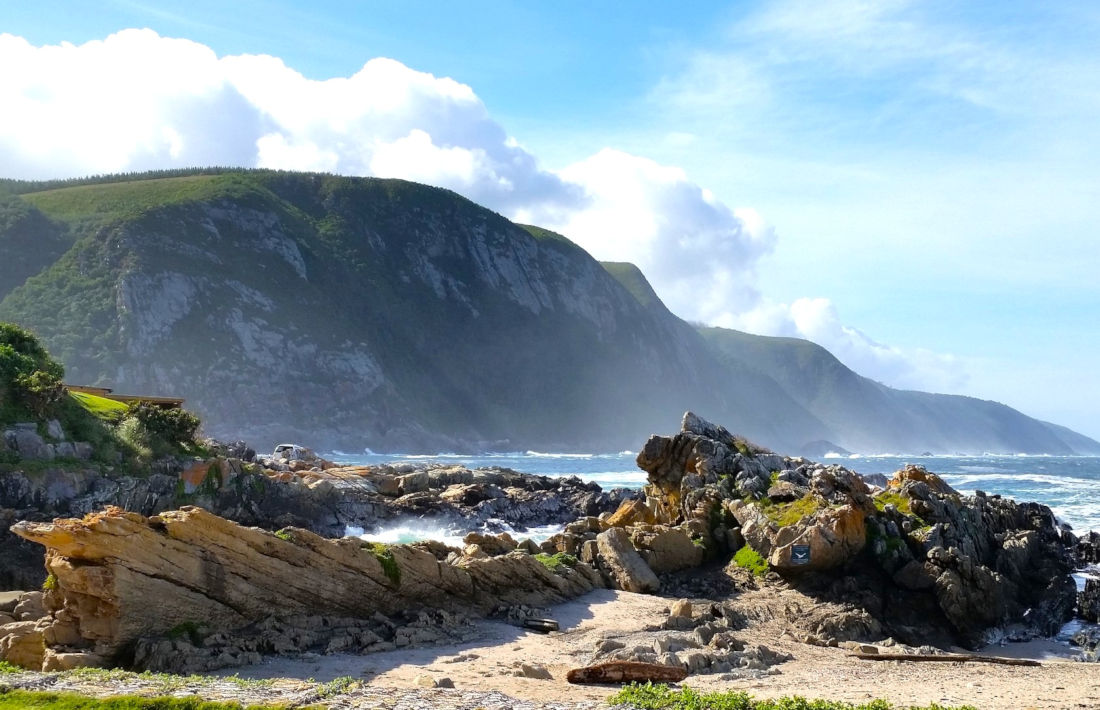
(255, 567)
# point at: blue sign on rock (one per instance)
(800, 554)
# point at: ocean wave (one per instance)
(544, 455)
(417, 531)
(966, 480)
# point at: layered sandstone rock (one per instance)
(117, 577)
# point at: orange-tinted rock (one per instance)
(631, 512)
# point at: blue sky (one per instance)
(912, 185)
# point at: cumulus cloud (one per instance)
(700, 254)
(136, 101)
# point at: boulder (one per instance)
(631, 512)
(29, 607)
(666, 549)
(24, 440)
(21, 644)
(830, 537)
(623, 563)
(54, 430)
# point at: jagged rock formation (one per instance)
(387, 314)
(917, 560)
(119, 577)
(319, 496)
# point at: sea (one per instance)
(1070, 485)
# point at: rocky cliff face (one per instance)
(915, 560)
(362, 312)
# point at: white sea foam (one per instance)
(1015, 480)
(416, 530)
(544, 455)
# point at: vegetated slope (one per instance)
(871, 417)
(761, 408)
(354, 312)
(29, 242)
(358, 312)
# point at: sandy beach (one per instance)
(493, 662)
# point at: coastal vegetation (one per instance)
(662, 697)
(31, 390)
(751, 560)
(384, 554)
(784, 514)
(42, 700)
(556, 562)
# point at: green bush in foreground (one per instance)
(6, 667)
(23, 699)
(751, 560)
(661, 697)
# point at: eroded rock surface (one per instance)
(118, 577)
(918, 559)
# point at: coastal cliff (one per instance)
(352, 312)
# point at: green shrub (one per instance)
(30, 380)
(191, 630)
(556, 562)
(173, 426)
(6, 667)
(50, 583)
(384, 555)
(784, 514)
(751, 560)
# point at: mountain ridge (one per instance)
(383, 313)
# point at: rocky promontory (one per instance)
(915, 560)
(757, 537)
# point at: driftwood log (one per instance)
(627, 672)
(946, 658)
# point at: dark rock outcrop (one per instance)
(924, 562)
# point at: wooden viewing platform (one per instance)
(107, 393)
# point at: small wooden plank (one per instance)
(627, 672)
(946, 658)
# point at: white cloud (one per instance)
(136, 101)
(816, 319)
(700, 255)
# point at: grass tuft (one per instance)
(384, 555)
(38, 700)
(751, 560)
(784, 514)
(661, 697)
(556, 563)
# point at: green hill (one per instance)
(351, 312)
